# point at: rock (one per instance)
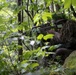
(70, 64)
(70, 61)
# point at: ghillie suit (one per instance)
(68, 34)
(56, 39)
(48, 29)
(68, 40)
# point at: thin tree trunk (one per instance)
(51, 7)
(20, 20)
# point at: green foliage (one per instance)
(37, 17)
(74, 3)
(43, 17)
(35, 12)
(68, 3)
(48, 36)
(48, 2)
(53, 47)
(46, 16)
(40, 37)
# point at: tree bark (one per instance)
(20, 20)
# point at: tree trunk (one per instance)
(20, 20)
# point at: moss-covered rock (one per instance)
(70, 64)
(70, 61)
